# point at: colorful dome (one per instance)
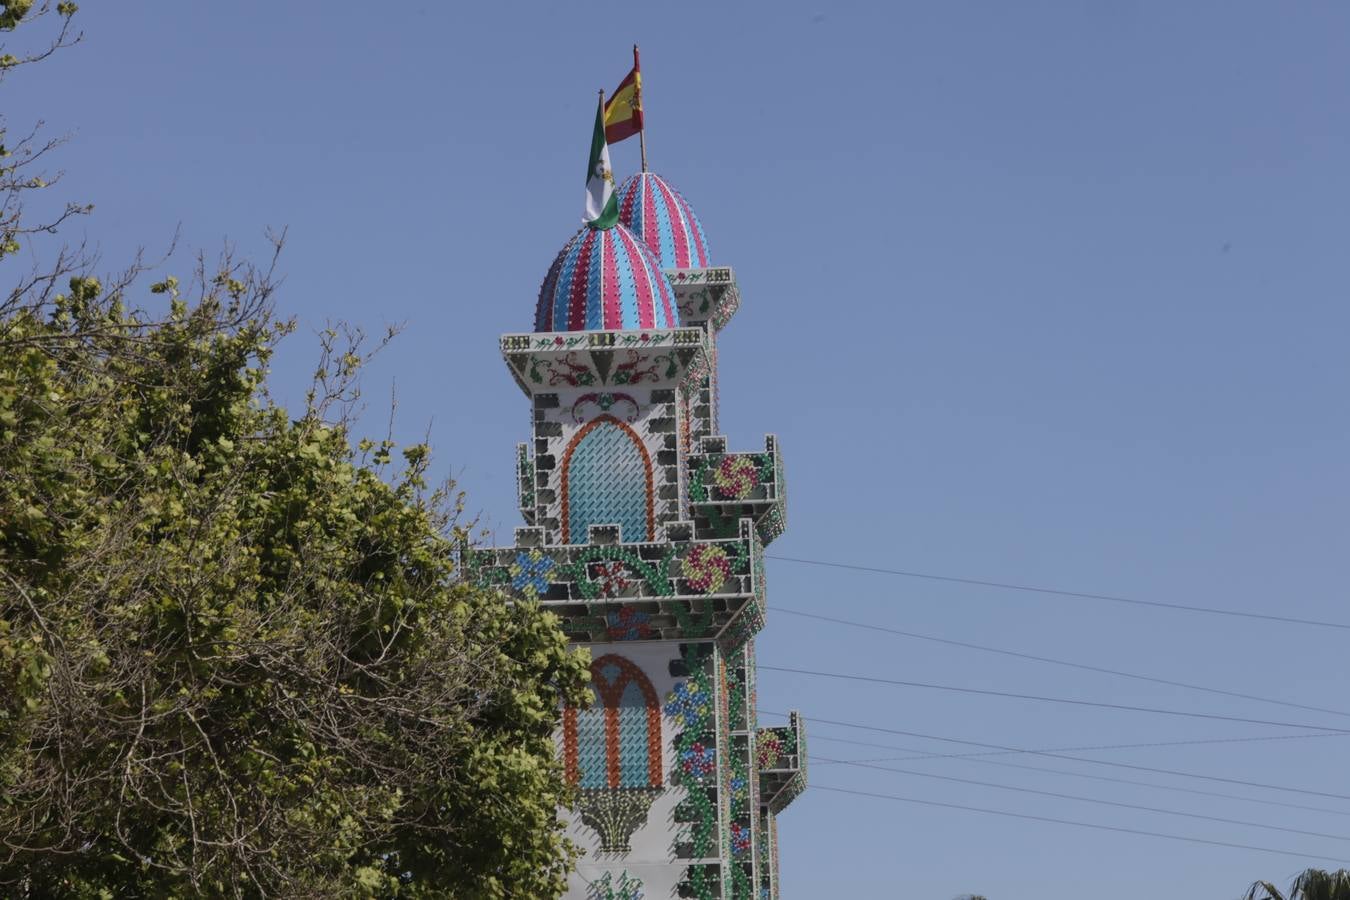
(605, 279)
(660, 215)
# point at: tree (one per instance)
(234, 656)
(1312, 884)
(19, 159)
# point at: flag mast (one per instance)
(642, 132)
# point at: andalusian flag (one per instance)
(623, 112)
(602, 209)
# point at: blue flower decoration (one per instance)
(740, 840)
(529, 573)
(687, 704)
(698, 761)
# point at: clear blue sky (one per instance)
(1044, 293)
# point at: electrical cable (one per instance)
(1057, 662)
(1142, 745)
(1043, 699)
(1081, 799)
(1094, 825)
(1053, 755)
(1106, 778)
(1215, 611)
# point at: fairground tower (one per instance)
(645, 534)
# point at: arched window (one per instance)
(607, 479)
(616, 743)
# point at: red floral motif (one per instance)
(632, 372)
(706, 568)
(770, 749)
(736, 477)
(564, 371)
(628, 624)
(740, 839)
(698, 761)
(611, 576)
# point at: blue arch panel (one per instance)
(590, 739)
(633, 738)
(607, 484)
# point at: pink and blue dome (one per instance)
(659, 214)
(605, 279)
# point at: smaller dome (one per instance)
(660, 215)
(605, 279)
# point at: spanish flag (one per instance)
(623, 112)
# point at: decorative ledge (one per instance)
(727, 487)
(546, 361)
(705, 295)
(607, 590)
(781, 758)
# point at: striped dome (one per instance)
(605, 279)
(660, 215)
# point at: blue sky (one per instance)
(1042, 293)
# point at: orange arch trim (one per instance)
(646, 467)
(610, 695)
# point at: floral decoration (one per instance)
(740, 839)
(769, 750)
(736, 476)
(706, 568)
(698, 761)
(605, 401)
(612, 577)
(689, 705)
(628, 624)
(606, 888)
(529, 573)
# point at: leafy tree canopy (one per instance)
(1311, 884)
(234, 656)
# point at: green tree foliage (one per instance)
(234, 656)
(1312, 884)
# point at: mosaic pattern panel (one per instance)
(603, 590)
(605, 279)
(607, 479)
(612, 751)
(663, 219)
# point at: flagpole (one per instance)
(642, 132)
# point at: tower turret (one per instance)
(645, 535)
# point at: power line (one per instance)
(1043, 699)
(1082, 759)
(1147, 744)
(1081, 799)
(1068, 773)
(1058, 662)
(1094, 825)
(1210, 610)
(1106, 778)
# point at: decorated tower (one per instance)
(646, 536)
